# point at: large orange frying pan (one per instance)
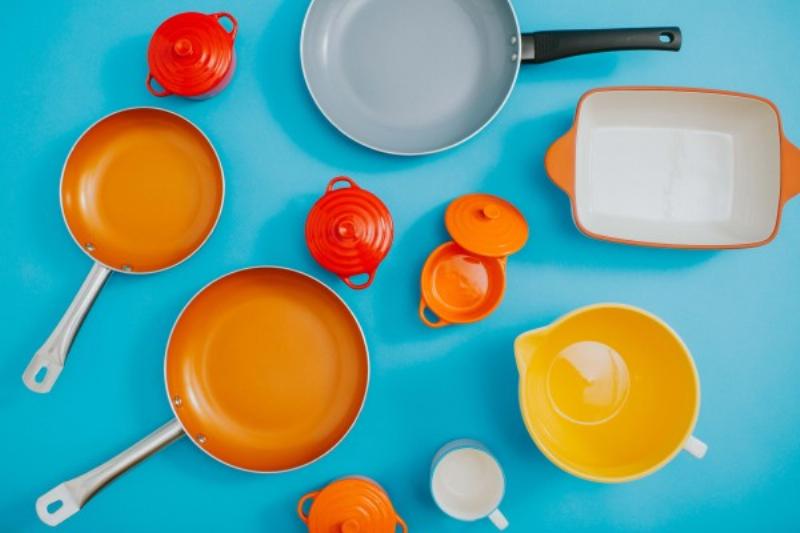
(141, 191)
(266, 370)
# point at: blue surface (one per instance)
(67, 63)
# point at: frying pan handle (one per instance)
(234, 23)
(302, 503)
(359, 286)
(153, 91)
(560, 163)
(47, 363)
(790, 170)
(423, 306)
(69, 497)
(544, 46)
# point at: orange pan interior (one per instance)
(141, 190)
(266, 369)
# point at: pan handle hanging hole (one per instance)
(666, 37)
(201, 438)
(40, 374)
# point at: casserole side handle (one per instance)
(790, 170)
(560, 163)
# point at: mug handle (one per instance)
(234, 23)
(308, 497)
(423, 306)
(695, 447)
(498, 519)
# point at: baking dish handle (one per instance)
(560, 162)
(790, 170)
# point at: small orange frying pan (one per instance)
(266, 371)
(141, 191)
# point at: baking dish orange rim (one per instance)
(658, 466)
(366, 383)
(563, 151)
(86, 132)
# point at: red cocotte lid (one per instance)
(191, 54)
(349, 231)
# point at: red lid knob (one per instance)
(349, 231)
(191, 54)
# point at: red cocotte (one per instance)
(349, 231)
(192, 55)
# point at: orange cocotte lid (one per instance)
(349, 231)
(486, 225)
(350, 505)
(191, 54)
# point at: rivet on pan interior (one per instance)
(90, 246)
(126, 268)
(513, 39)
(513, 57)
(178, 401)
(201, 438)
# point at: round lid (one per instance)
(349, 231)
(190, 53)
(351, 505)
(459, 286)
(486, 225)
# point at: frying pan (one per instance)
(266, 370)
(421, 76)
(141, 191)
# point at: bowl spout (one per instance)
(525, 347)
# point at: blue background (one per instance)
(68, 63)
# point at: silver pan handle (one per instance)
(69, 497)
(46, 365)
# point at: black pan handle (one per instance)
(544, 46)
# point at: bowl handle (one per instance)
(695, 447)
(423, 306)
(560, 162)
(153, 90)
(300, 512)
(234, 23)
(790, 170)
(401, 523)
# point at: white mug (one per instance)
(467, 483)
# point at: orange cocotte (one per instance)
(350, 505)
(464, 280)
(608, 393)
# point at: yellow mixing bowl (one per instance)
(609, 392)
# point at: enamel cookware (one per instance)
(266, 370)
(141, 191)
(192, 55)
(672, 167)
(609, 393)
(414, 76)
(349, 231)
(464, 280)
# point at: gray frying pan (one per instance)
(412, 77)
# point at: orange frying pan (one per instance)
(266, 370)
(141, 191)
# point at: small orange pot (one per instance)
(464, 280)
(350, 505)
